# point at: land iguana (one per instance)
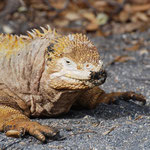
(44, 74)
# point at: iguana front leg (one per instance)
(16, 124)
(91, 98)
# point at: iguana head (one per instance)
(73, 62)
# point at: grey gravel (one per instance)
(108, 127)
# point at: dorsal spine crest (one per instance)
(10, 44)
(36, 33)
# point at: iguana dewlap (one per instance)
(45, 74)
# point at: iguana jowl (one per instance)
(45, 74)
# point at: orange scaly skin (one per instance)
(45, 74)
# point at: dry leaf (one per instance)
(40, 6)
(102, 18)
(133, 47)
(143, 52)
(139, 1)
(72, 16)
(51, 14)
(61, 22)
(100, 33)
(124, 16)
(89, 16)
(129, 27)
(85, 15)
(101, 6)
(142, 16)
(137, 118)
(58, 4)
(92, 26)
(128, 122)
(122, 59)
(112, 129)
(139, 16)
(138, 8)
(98, 4)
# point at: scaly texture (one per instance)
(45, 74)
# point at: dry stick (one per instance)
(137, 8)
(110, 130)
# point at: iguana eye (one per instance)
(67, 62)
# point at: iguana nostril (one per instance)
(98, 75)
(95, 75)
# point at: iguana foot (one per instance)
(93, 97)
(16, 124)
(18, 129)
(125, 96)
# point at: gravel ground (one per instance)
(108, 127)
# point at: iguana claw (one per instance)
(35, 129)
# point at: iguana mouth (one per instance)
(76, 78)
(79, 81)
(90, 82)
(96, 78)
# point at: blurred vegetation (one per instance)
(98, 17)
